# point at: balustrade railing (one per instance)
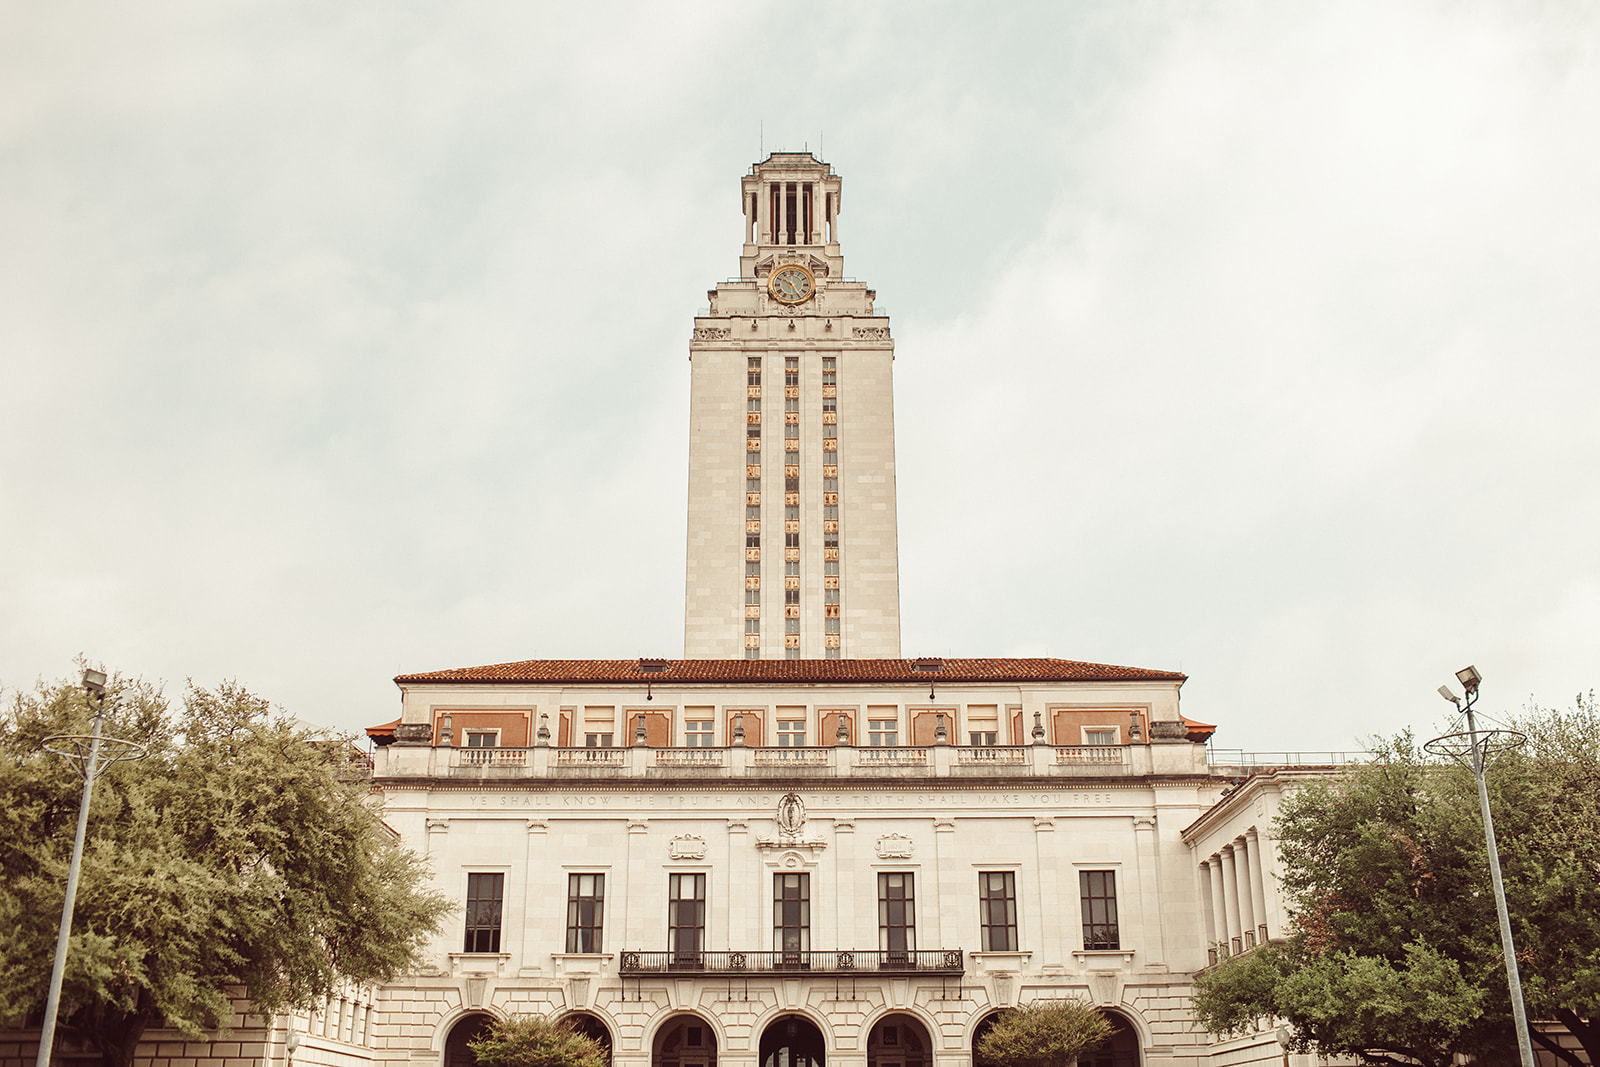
(688, 757)
(837, 961)
(814, 756)
(992, 756)
(1097, 754)
(491, 757)
(590, 757)
(1052, 761)
(892, 756)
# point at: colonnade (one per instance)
(808, 226)
(1233, 896)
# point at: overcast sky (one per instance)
(1257, 341)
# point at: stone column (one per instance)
(845, 889)
(1053, 911)
(814, 223)
(948, 884)
(737, 895)
(1218, 902)
(1247, 903)
(535, 916)
(1155, 940)
(632, 921)
(1230, 896)
(764, 213)
(1207, 913)
(1258, 882)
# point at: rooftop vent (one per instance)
(654, 666)
(927, 664)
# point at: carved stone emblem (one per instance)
(790, 845)
(791, 813)
(687, 847)
(894, 847)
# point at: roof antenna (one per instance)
(761, 146)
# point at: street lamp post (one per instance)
(86, 751)
(1476, 745)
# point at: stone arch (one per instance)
(684, 1039)
(1123, 1050)
(984, 1023)
(589, 1024)
(792, 1040)
(900, 1039)
(467, 1027)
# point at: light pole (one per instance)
(1474, 747)
(84, 750)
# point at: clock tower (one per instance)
(792, 531)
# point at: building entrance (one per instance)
(467, 1028)
(899, 1041)
(685, 1041)
(792, 1041)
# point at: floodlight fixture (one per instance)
(1474, 746)
(94, 682)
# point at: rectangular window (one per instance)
(686, 918)
(997, 910)
(1100, 736)
(697, 734)
(982, 738)
(586, 898)
(480, 738)
(882, 733)
(1099, 893)
(897, 914)
(791, 733)
(484, 894)
(597, 740)
(791, 916)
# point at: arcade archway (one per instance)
(590, 1026)
(684, 1041)
(899, 1040)
(467, 1028)
(792, 1041)
(1122, 1050)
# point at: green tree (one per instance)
(1048, 1033)
(1395, 955)
(534, 1041)
(241, 855)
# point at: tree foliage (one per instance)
(1396, 954)
(534, 1041)
(1051, 1033)
(240, 855)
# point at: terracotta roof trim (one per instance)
(778, 672)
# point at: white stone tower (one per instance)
(793, 546)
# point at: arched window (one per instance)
(792, 1041)
(467, 1028)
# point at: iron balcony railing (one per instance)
(943, 961)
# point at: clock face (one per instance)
(791, 285)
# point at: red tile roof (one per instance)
(791, 671)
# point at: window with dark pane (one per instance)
(897, 913)
(484, 895)
(586, 898)
(1099, 895)
(791, 915)
(997, 910)
(686, 917)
